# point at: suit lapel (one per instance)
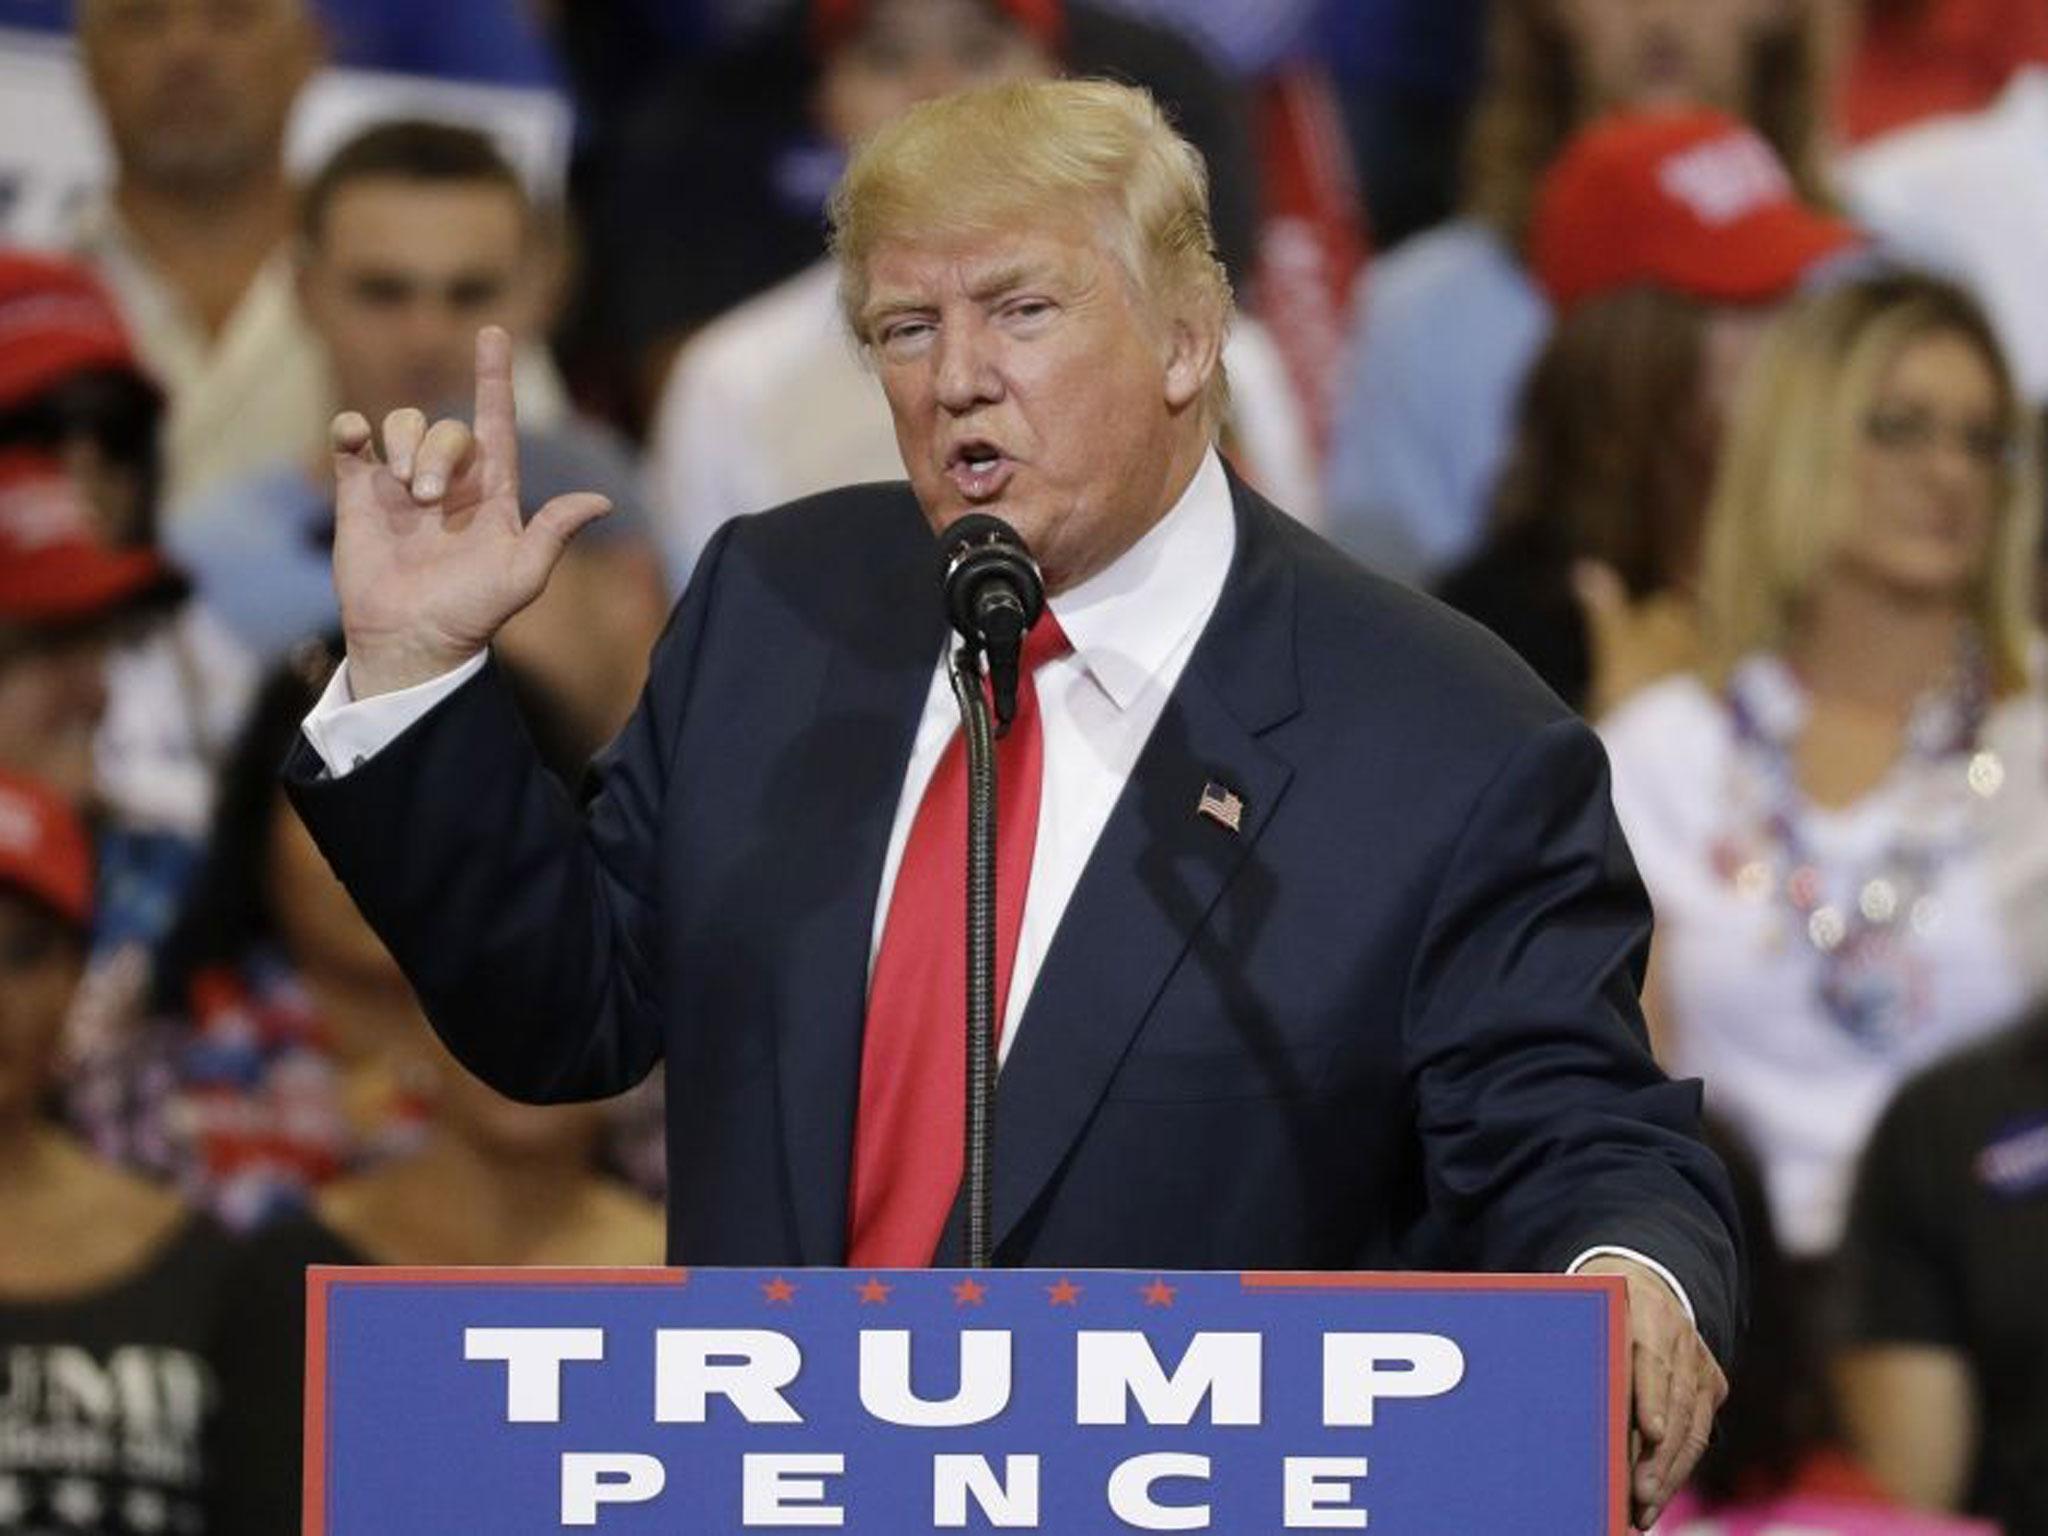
(1158, 868)
(883, 649)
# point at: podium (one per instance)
(727, 1401)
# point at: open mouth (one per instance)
(979, 469)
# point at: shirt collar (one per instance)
(1129, 619)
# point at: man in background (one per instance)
(193, 236)
(412, 236)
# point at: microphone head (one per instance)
(989, 573)
(974, 529)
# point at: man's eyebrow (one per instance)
(888, 307)
(1000, 280)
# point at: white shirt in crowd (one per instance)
(1968, 195)
(772, 401)
(1738, 985)
(256, 391)
(1132, 626)
(175, 703)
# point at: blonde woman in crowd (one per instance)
(1840, 816)
(1449, 323)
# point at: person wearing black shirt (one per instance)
(110, 1288)
(1945, 1377)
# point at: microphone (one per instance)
(994, 594)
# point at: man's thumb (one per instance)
(543, 539)
(564, 517)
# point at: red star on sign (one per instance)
(969, 1293)
(1065, 1294)
(874, 1293)
(1158, 1294)
(778, 1291)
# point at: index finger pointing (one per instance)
(497, 423)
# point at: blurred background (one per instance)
(1697, 348)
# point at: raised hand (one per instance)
(431, 555)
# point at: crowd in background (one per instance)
(1697, 348)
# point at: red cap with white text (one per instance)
(55, 320)
(1693, 201)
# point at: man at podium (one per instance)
(1318, 944)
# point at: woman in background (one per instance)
(1590, 565)
(170, 687)
(286, 1048)
(110, 1288)
(494, 1183)
(1839, 816)
(1449, 322)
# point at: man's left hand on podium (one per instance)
(1675, 1388)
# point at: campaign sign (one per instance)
(716, 1401)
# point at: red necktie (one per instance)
(907, 1141)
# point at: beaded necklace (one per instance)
(1859, 923)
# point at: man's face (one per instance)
(402, 276)
(195, 93)
(1028, 381)
(908, 51)
(1663, 53)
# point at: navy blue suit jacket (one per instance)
(1391, 1022)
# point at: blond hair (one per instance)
(1786, 495)
(1001, 156)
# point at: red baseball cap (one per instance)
(44, 852)
(832, 20)
(54, 569)
(55, 320)
(1694, 201)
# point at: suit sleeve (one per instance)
(1547, 1126)
(527, 926)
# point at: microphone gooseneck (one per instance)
(994, 594)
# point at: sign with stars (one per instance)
(730, 1401)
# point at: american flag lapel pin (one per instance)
(1222, 806)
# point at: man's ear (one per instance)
(1194, 341)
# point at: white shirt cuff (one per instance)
(1610, 1252)
(347, 732)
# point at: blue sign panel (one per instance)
(731, 1401)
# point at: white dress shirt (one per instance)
(1133, 627)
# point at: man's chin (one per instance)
(1024, 520)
